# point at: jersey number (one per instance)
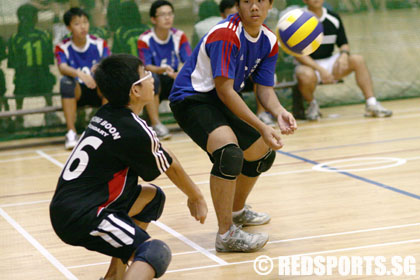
(82, 156)
(32, 55)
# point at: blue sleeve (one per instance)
(222, 58)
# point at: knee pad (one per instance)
(227, 162)
(67, 86)
(153, 210)
(156, 253)
(255, 168)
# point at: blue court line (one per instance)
(355, 176)
(357, 144)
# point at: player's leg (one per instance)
(151, 200)
(222, 145)
(358, 65)
(70, 92)
(307, 82)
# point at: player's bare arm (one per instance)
(67, 70)
(269, 100)
(196, 202)
(234, 102)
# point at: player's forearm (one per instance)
(269, 100)
(179, 177)
(155, 69)
(67, 70)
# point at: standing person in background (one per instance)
(162, 49)
(75, 58)
(31, 54)
(126, 36)
(324, 67)
(3, 103)
(206, 103)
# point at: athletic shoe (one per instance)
(312, 112)
(238, 240)
(266, 118)
(162, 131)
(251, 218)
(377, 111)
(71, 140)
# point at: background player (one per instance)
(98, 203)
(161, 49)
(31, 54)
(75, 58)
(207, 106)
(323, 66)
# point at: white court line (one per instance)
(50, 158)
(190, 243)
(24, 203)
(290, 240)
(38, 246)
(304, 254)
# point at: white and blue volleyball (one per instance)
(300, 32)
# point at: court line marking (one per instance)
(270, 174)
(304, 254)
(50, 158)
(354, 176)
(190, 243)
(290, 240)
(38, 246)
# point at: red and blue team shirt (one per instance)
(227, 50)
(82, 58)
(153, 51)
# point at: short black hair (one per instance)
(115, 76)
(157, 4)
(237, 1)
(27, 13)
(226, 4)
(73, 12)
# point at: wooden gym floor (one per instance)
(343, 186)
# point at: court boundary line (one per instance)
(189, 242)
(58, 265)
(354, 176)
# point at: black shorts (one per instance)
(163, 85)
(200, 114)
(89, 97)
(112, 233)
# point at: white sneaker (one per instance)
(162, 131)
(266, 118)
(71, 140)
(377, 111)
(251, 218)
(164, 107)
(238, 240)
(312, 112)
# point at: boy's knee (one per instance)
(153, 210)
(306, 75)
(67, 87)
(156, 253)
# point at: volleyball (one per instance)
(299, 32)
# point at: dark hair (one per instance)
(237, 1)
(157, 4)
(27, 13)
(208, 9)
(131, 15)
(73, 12)
(115, 75)
(226, 4)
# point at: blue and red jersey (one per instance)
(172, 51)
(227, 50)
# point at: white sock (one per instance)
(371, 101)
(224, 235)
(237, 213)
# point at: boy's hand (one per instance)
(287, 123)
(198, 209)
(87, 79)
(271, 138)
